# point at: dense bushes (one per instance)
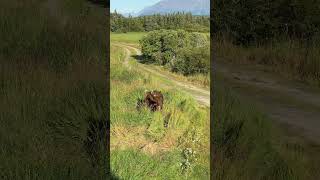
(178, 20)
(252, 21)
(192, 61)
(181, 51)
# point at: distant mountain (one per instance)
(196, 7)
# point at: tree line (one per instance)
(179, 20)
(259, 21)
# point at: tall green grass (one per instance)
(248, 146)
(174, 134)
(32, 32)
(48, 104)
(292, 58)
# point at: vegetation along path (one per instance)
(200, 94)
(293, 104)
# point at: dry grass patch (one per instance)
(124, 137)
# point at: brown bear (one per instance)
(153, 99)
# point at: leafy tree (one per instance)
(192, 61)
(182, 51)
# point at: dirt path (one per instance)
(292, 104)
(201, 95)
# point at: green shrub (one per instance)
(192, 61)
(183, 52)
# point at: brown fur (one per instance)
(153, 99)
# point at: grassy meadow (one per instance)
(129, 37)
(293, 59)
(132, 38)
(248, 145)
(171, 144)
(49, 106)
(246, 142)
(281, 41)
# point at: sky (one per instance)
(128, 6)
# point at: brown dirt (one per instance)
(292, 104)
